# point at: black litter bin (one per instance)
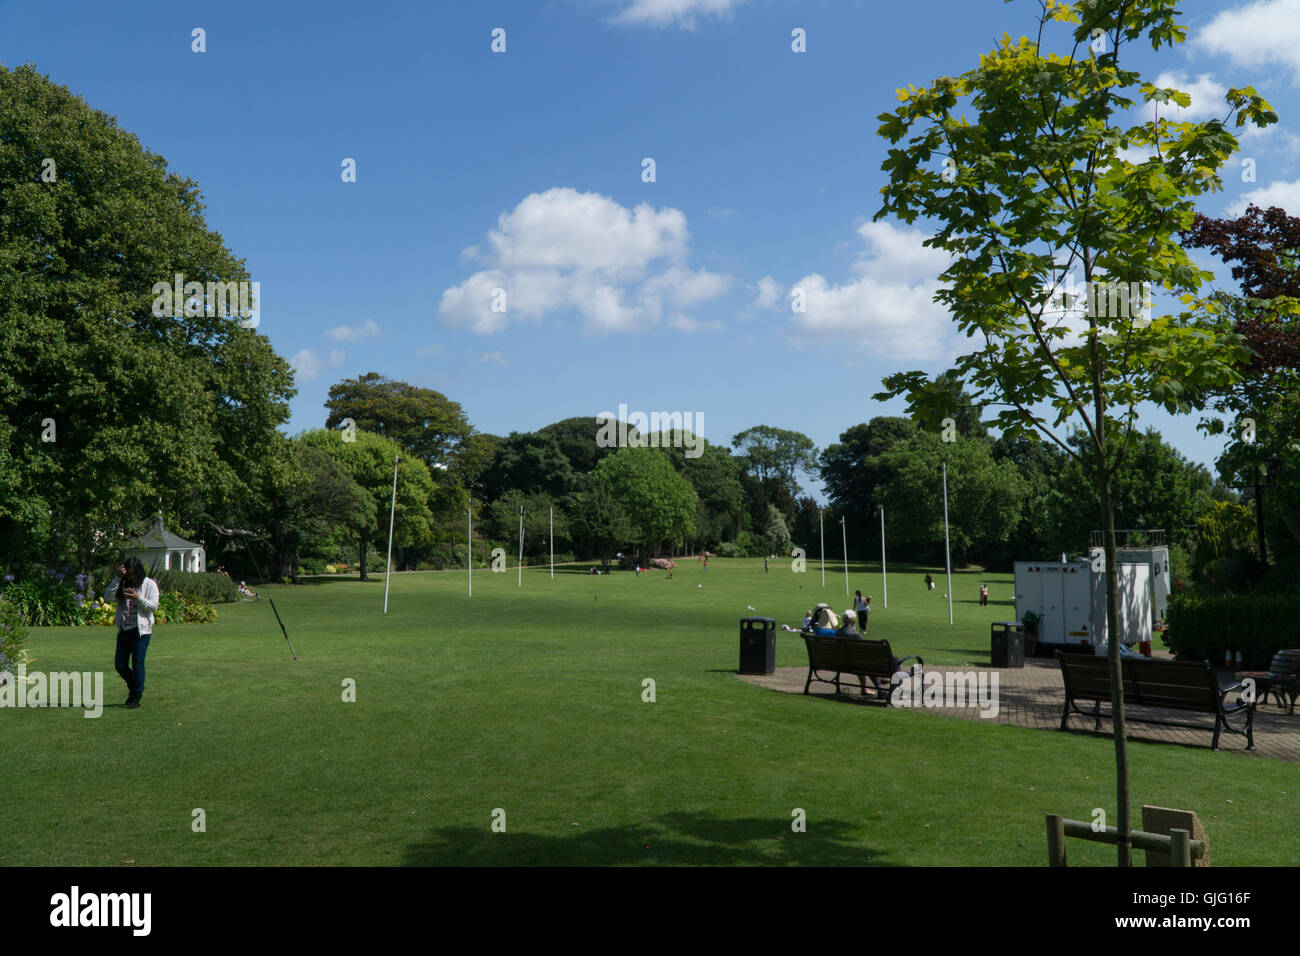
(1008, 640)
(757, 645)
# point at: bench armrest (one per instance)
(898, 661)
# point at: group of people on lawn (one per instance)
(824, 622)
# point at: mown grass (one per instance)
(529, 700)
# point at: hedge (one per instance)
(209, 587)
(1202, 626)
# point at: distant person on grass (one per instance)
(136, 596)
(929, 582)
(984, 594)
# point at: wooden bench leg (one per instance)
(1065, 715)
(1250, 729)
(808, 682)
(1218, 724)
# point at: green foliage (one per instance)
(730, 549)
(96, 612)
(985, 497)
(422, 422)
(659, 503)
(41, 601)
(530, 463)
(776, 533)
(13, 635)
(207, 585)
(1222, 531)
(171, 608)
(369, 462)
(1201, 626)
(197, 611)
(146, 406)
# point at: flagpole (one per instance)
(552, 542)
(469, 550)
(821, 530)
(884, 582)
(521, 546)
(947, 548)
(392, 513)
(844, 536)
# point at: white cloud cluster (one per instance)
(1277, 193)
(887, 311)
(619, 268)
(666, 13)
(1259, 33)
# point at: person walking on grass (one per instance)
(136, 596)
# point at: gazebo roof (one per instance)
(159, 538)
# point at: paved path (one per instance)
(1033, 696)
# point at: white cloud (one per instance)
(888, 310)
(1277, 193)
(1267, 31)
(769, 293)
(561, 249)
(1207, 94)
(307, 365)
(665, 13)
(368, 329)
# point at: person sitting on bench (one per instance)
(849, 628)
(824, 621)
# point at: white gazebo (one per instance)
(160, 550)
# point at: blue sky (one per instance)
(523, 170)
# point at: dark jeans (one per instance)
(129, 659)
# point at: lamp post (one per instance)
(947, 547)
(844, 536)
(469, 545)
(392, 513)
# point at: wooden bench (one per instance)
(1282, 679)
(856, 656)
(1173, 685)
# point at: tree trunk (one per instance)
(361, 550)
(1124, 843)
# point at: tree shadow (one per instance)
(691, 839)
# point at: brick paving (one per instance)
(1034, 695)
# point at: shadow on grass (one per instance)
(690, 839)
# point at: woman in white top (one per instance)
(136, 596)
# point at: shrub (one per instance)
(13, 637)
(312, 566)
(98, 612)
(44, 601)
(208, 586)
(663, 564)
(197, 611)
(1202, 626)
(730, 549)
(331, 569)
(171, 608)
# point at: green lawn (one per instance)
(529, 700)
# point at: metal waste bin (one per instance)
(757, 645)
(1008, 644)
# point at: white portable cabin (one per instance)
(1069, 598)
(1157, 561)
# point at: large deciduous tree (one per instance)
(1021, 165)
(369, 460)
(659, 503)
(112, 411)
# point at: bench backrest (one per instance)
(1285, 665)
(1183, 685)
(850, 655)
